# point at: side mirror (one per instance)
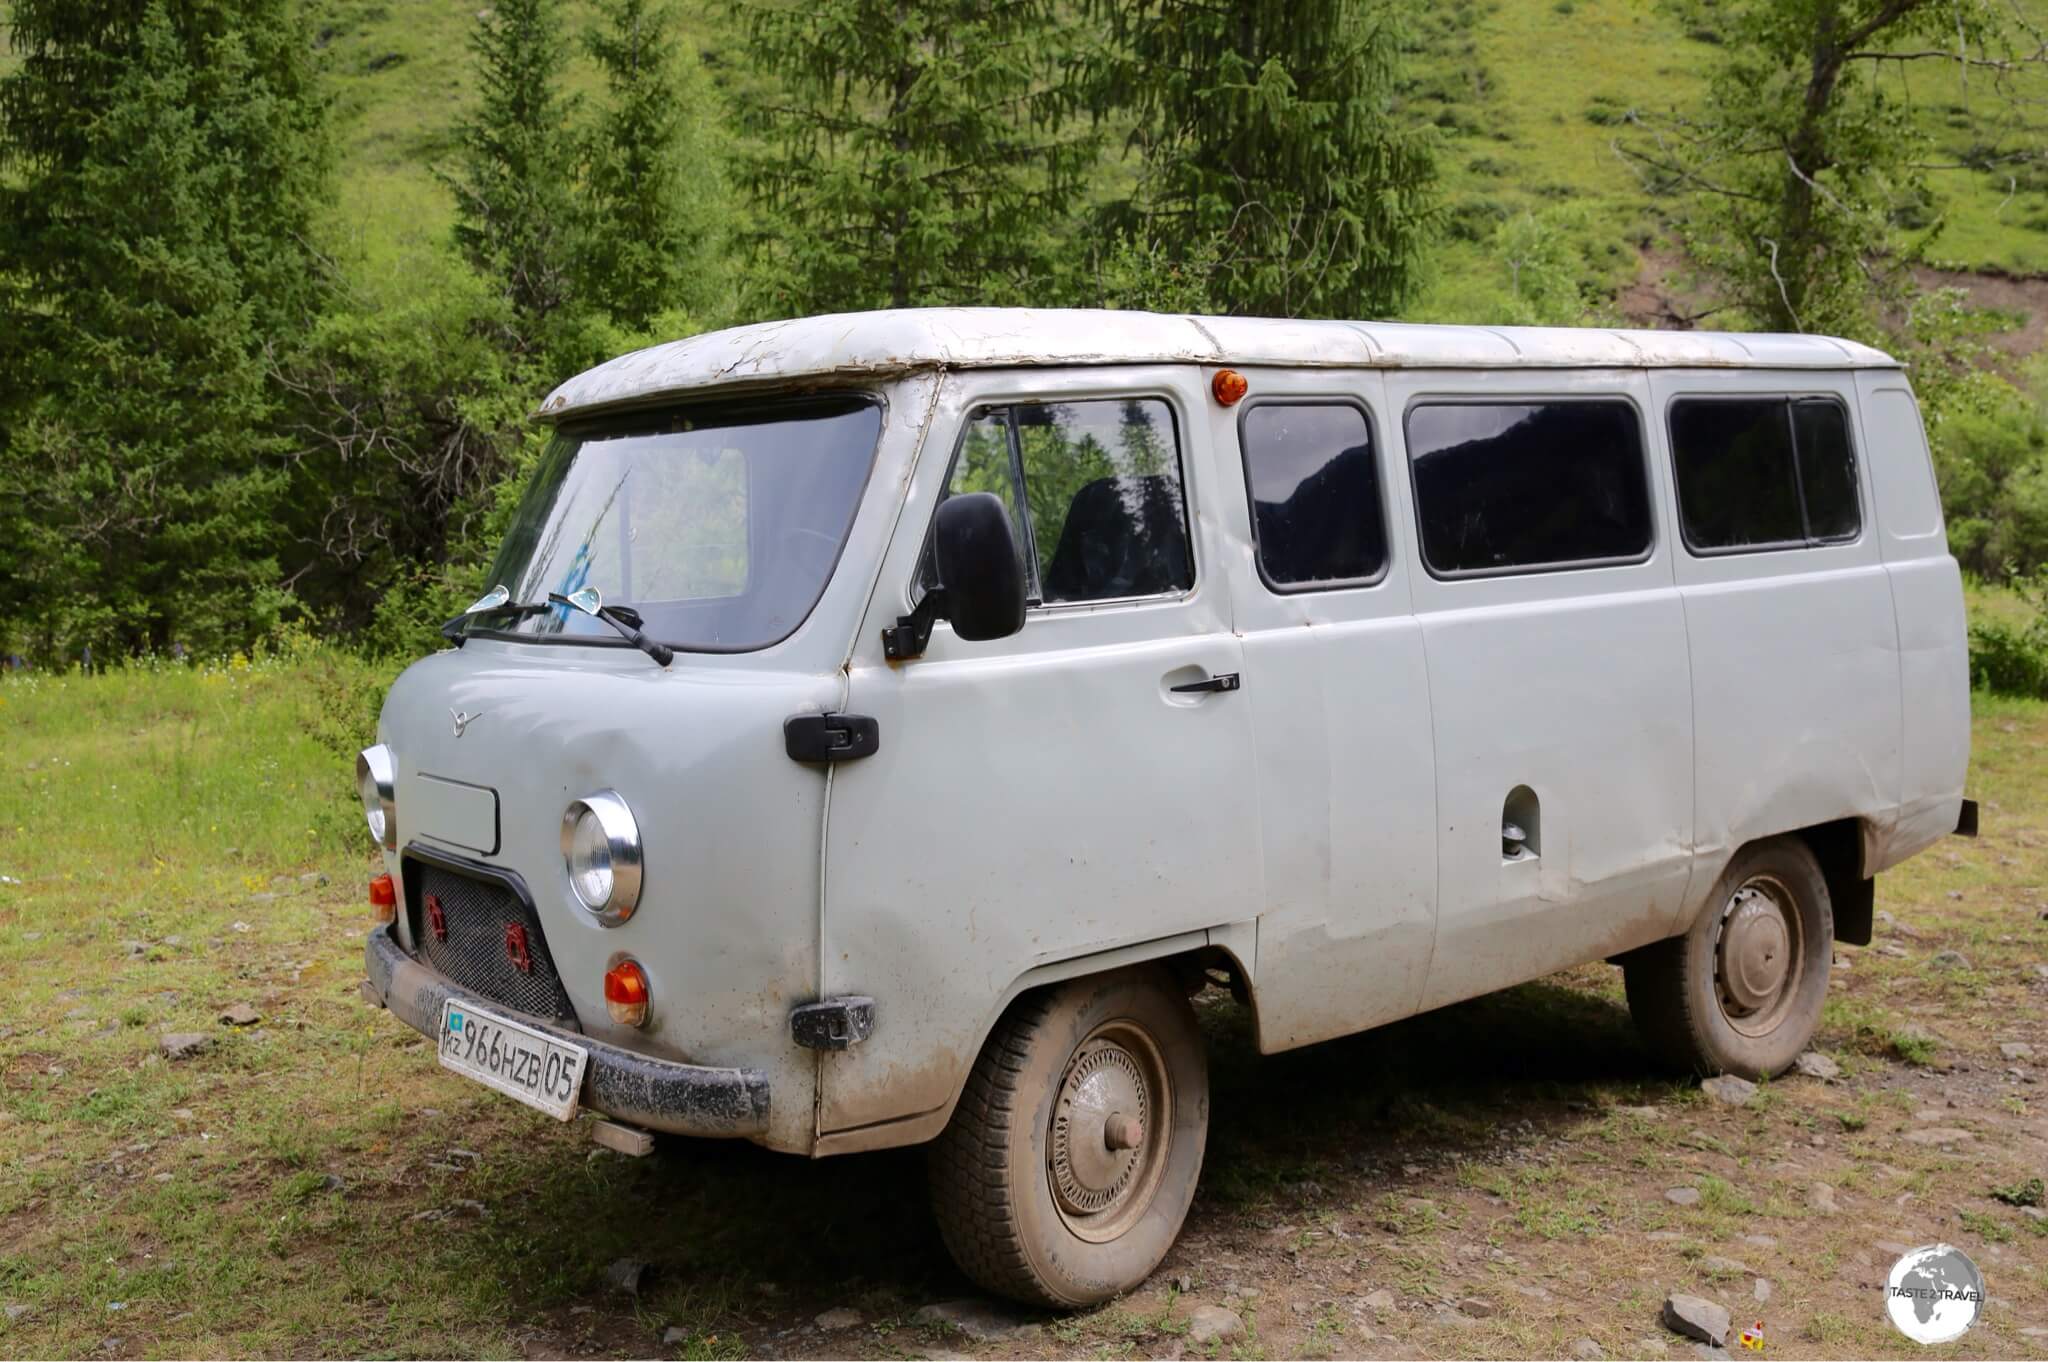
(981, 578)
(976, 553)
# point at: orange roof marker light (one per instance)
(1229, 386)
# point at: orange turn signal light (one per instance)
(383, 899)
(625, 993)
(1229, 386)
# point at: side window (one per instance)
(1528, 485)
(1094, 491)
(1315, 493)
(1764, 472)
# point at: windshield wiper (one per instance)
(493, 603)
(623, 618)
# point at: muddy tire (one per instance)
(1070, 1163)
(1741, 992)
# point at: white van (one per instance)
(878, 727)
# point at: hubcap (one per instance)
(1106, 1149)
(1757, 955)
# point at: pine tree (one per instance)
(1266, 133)
(515, 177)
(167, 163)
(654, 188)
(907, 151)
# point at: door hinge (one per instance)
(833, 1023)
(830, 737)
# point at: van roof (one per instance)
(857, 345)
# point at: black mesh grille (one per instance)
(474, 954)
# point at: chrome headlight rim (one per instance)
(622, 842)
(377, 780)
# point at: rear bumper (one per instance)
(660, 1094)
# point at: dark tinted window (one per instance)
(1100, 514)
(1315, 493)
(1736, 482)
(1827, 470)
(1763, 472)
(1527, 485)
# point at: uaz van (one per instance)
(877, 727)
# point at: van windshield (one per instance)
(719, 525)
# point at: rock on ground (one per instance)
(1587, 1349)
(2015, 1049)
(1683, 1196)
(982, 1321)
(1716, 1266)
(839, 1318)
(1729, 1090)
(1816, 1065)
(183, 1044)
(1693, 1317)
(1939, 1135)
(627, 1275)
(1949, 960)
(241, 1014)
(1822, 1198)
(1214, 1324)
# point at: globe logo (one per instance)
(1933, 1293)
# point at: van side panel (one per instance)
(1795, 665)
(1927, 597)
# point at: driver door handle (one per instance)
(1221, 682)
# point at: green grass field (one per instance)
(177, 840)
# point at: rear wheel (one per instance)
(1070, 1163)
(1742, 991)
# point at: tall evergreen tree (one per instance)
(906, 151)
(515, 174)
(1265, 131)
(167, 162)
(654, 187)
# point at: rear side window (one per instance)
(1315, 494)
(1501, 487)
(1768, 472)
(1094, 493)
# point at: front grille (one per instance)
(476, 912)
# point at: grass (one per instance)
(164, 831)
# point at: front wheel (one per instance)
(1071, 1161)
(1742, 991)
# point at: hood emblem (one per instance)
(463, 721)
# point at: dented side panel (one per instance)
(1795, 668)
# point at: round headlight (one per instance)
(601, 851)
(376, 782)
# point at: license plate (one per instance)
(515, 1059)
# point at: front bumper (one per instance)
(660, 1094)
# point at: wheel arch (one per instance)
(1197, 958)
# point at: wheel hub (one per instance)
(1757, 956)
(1098, 1130)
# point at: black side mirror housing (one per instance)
(976, 553)
(981, 578)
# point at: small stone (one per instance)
(263, 898)
(674, 1336)
(1729, 1090)
(1817, 1065)
(1934, 1135)
(627, 1275)
(333, 1182)
(1761, 1289)
(1822, 1198)
(1683, 1196)
(135, 948)
(241, 1014)
(1214, 1324)
(162, 1177)
(2014, 1049)
(1476, 1307)
(840, 1317)
(116, 1306)
(1381, 1302)
(1182, 1283)
(183, 1114)
(1716, 1266)
(1763, 1241)
(14, 1312)
(183, 1044)
(1693, 1317)
(1894, 952)
(1587, 1349)
(239, 926)
(1949, 959)
(982, 1321)
(1664, 1237)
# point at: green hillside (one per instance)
(1530, 96)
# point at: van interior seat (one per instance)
(1123, 536)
